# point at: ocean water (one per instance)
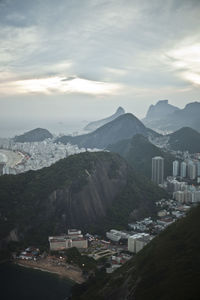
(23, 283)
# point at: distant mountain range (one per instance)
(166, 269)
(165, 117)
(160, 110)
(138, 151)
(124, 126)
(91, 191)
(35, 135)
(96, 124)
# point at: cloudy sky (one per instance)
(81, 59)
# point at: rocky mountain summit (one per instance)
(96, 124)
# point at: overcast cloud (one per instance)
(84, 58)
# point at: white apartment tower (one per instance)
(175, 168)
(158, 169)
(183, 169)
(191, 170)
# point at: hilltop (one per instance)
(96, 124)
(167, 268)
(35, 135)
(125, 126)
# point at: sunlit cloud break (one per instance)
(65, 85)
(186, 60)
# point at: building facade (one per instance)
(158, 169)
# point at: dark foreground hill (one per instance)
(185, 139)
(35, 135)
(96, 124)
(125, 126)
(138, 152)
(166, 269)
(91, 191)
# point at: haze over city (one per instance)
(77, 61)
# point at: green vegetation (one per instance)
(24, 200)
(86, 263)
(167, 268)
(91, 191)
(138, 152)
(185, 139)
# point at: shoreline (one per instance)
(70, 274)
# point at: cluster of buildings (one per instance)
(189, 168)
(117, 261)
(74, 238)
(116, 235)
(38, 155)
(137, 241)
(134, 241)
(29, 253)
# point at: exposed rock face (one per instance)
(171, 118)
(35, 135)
(83, 190)
(161, 109)
(94, 199)
(96, 124)
(125, 126)
(75, 192)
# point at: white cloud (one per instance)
(61, 85)
(185, 60)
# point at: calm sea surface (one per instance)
(22, 283)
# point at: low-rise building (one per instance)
(59, 243)
(80, 243)
(137, 241)
(116, 235)
(73, 239)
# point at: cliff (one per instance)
(176, 119)
(91, 191)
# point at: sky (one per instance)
(73, 61)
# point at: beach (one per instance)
(64, 270)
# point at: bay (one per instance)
(23, 283)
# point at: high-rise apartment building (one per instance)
(191, 170)
(175, 168)
(158, 169)
(183, 169)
